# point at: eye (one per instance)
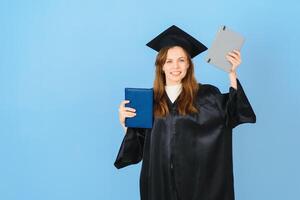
(169, 61)
(182, 60)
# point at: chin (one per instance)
(176, 80)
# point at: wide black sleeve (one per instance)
(131, 149)
(235, 106)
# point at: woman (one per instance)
(187, 154)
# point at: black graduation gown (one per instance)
(189, 157)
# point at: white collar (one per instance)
(173, 91)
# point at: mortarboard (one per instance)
(174, 36)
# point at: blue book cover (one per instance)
(141, 99)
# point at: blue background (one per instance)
(63, 69)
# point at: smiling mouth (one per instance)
(175, 73)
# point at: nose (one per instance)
(176, 65)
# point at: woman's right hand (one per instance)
(125, 112)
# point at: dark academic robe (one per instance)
(189, 157)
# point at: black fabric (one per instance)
(189, 157)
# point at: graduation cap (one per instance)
(174, 36)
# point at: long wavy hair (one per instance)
(186, 99)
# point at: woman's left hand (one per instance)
(234, 58)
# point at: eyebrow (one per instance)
(178, 58)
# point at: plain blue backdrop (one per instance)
(63, 69)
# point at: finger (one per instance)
(232, 61)
(122, 105)
(237, 59)
(129, 109)
(230, 57)
(237, 52)
(129, 114)
(126, 115)
(124, 102)
(233, 55)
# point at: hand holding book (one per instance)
(125, 112)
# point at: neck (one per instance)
(173, 84)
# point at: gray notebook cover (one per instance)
(225, 41)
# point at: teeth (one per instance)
(175, 73)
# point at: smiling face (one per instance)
(176, 65)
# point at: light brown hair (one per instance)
(187, 96)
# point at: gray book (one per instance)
(225, 41)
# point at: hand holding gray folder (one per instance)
(226, 40)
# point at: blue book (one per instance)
(141, 99)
